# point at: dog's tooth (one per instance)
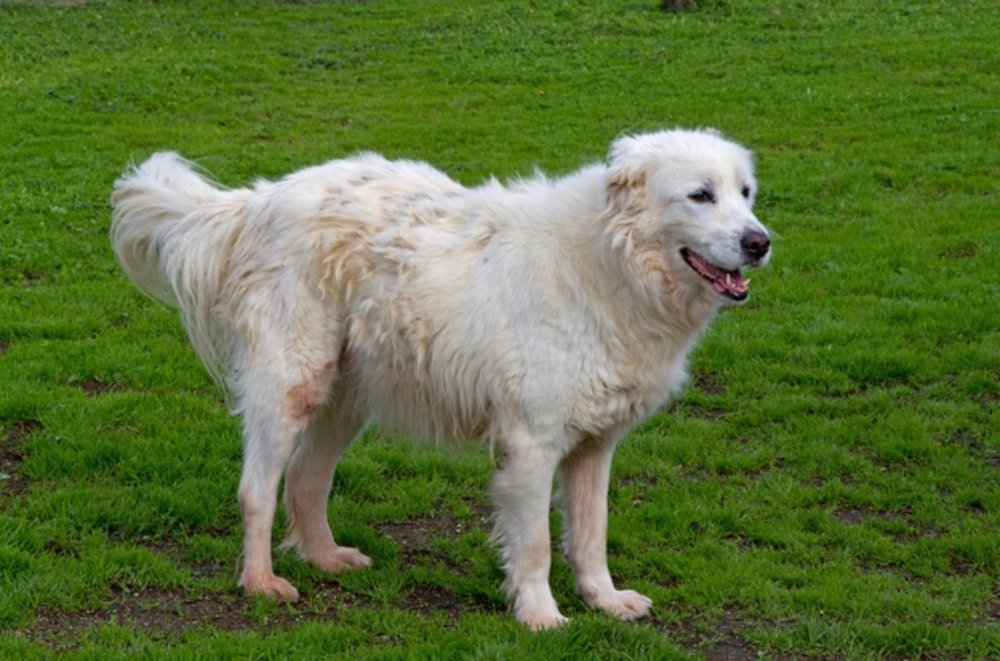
(729, 280)
(746, 283)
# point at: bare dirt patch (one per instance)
(729, 643)
(708, 383)
(425, 599)
(415, 537)
(695, 410)
(851, 514)
(719, 641)
(94, 387)
(676, 5)
(21, 429)
(165, 613)
(993, 607)
(966, 439)
(961, 251)
(861, 514)
(153, 610)
(12, 454)
(730, 648)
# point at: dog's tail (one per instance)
(171, 230)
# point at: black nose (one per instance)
(755, 243)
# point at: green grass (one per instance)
(828, 486)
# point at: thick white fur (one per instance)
(547, 317)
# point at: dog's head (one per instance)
(681, 210)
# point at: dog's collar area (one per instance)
(727, 283)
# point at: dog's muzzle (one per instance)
(730, 284)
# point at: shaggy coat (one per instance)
(546, 317)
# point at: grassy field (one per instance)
(829, 484)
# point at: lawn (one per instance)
(827, 486)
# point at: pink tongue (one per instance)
(706, 267)
(736, 284)
(735, 280)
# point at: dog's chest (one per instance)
(627, 389)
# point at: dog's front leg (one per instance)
(585, 474)
(521, 493)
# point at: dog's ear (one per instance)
(626, 178)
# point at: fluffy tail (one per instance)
(170, 230)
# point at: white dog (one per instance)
(546, 317)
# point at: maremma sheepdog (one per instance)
(545, 317)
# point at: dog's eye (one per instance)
(746, 192)
(702, 196)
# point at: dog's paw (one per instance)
(271, 586)
(339, 558)
(540, 620)
(538, 613)
(624, 604)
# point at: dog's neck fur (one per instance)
(647, 324)
(659, 304)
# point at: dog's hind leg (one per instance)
(282, 383)
(268, 439)
(584, 488)
(308, 480)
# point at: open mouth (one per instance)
(728, 283)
